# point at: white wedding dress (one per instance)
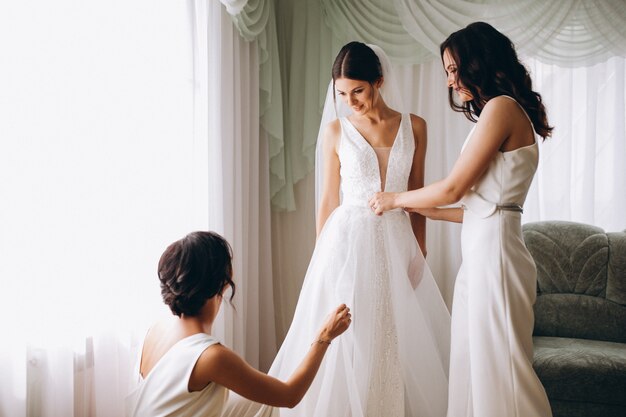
(393, 360)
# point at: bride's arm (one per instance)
(330, 186)
(416, 177)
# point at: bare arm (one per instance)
(330, 187)
(222, 366)
(452, 214)
(416, 178)
(492, 129)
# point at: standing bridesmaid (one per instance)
(491, 373)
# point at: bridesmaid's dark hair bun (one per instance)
(193, 270)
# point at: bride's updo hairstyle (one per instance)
(194, 269)
(357, 61)
(488, 66)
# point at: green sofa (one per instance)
(580, 317)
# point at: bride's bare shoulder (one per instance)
(333, 128)
(332, 132)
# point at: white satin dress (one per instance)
(164, 392)
(491, 373)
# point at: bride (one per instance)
(393, 361)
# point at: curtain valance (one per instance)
(564, 32)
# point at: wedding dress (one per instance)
(393, 360)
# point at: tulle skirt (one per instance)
(393, 360)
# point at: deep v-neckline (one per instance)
(373, 152)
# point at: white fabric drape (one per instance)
(227, 114)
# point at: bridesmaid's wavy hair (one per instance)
(488, 66)
(357, 61)
(194, 269)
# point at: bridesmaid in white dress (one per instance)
(491, 373)
(184, 370)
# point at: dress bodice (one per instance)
(164, 391)
(360, 173)
(505, 182)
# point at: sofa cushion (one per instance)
(578, 370)
(579, 316)
(581, 280)
(571, 258)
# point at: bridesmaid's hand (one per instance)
(337, 322)
(382, 202)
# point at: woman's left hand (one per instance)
(382, 202)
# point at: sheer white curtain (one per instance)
(238, 205)
(582, 169)
(96, 160)
(112, 145)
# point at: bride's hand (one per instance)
(382, 202)
(337, 322)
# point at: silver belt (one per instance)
(510, 207)
(505, 207)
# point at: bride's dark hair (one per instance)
(488, 66)
(357, 61)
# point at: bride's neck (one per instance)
(379, 113)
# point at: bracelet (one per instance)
(321, 341)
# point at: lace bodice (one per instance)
(360, 174)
